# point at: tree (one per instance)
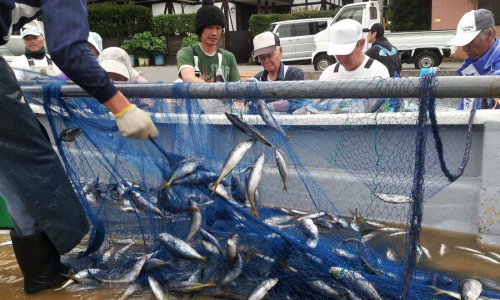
(405, 15)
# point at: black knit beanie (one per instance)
(208, 15)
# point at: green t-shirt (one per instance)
(208, 65)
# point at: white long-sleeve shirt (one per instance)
(23, 71)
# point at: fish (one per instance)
(179, 248)
(253, 181)
(355, 279)
(132, 289)
(199, 176)
(277, 221)
(130, 276)
(97, 236)
(181, 169)
(280, 162)
(487, 258)
(232, 160)
(490, 284)
(311, 231)
(231, 248)
(196, 219)
(69, 134)
(470, 289)
(393, 198)
(92, 192)
(155, 263)
(439, 291)
(312, 216)
(268, 118)
(234, 270)
(261, 290)
(188, 286)
(324, 288)
(469, 250)
(144, 204)
(85, 276)
(207, 236)
(156, 288)
(250, 130)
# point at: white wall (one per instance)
(188, 9)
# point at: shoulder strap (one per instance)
(195, 57)
(369, 63)
(219, 57)
(336, 69)
(284, 71)
(49, 60)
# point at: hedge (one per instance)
(179, 24)
(119, 20)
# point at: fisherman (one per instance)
(476, 34)
(47, 216)
(206, 62)
(35, 60)
(383, 51)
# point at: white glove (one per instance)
(135, 123)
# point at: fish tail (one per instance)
(166, 186)
(285, 189)
(214, 186)
(255, 212)
(204, 259)
(289, 138)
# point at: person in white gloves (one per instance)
(48, 218)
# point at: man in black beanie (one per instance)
(383, 51)
(205, 62)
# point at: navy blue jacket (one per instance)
(66, 32)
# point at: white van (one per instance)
(297, 36)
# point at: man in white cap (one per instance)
(35, 60)
(347, 43)
(268, 50)
(476, 34)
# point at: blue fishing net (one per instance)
(356, 179)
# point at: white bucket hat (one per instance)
(96, 40)
(115, 66)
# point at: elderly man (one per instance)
(346, 43)
(268, 51)
(476, 34)
(35, 60)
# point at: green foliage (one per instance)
(259, 23)
(189, 40)
(405, 15)
(145, 44)
(181, 24)
(118, 21)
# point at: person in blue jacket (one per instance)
(47, 216)
(476, 34)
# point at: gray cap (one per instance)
(471, 25)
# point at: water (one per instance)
(454, 261)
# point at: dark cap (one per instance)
(378, 28)
(208, 15)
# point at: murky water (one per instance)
(449, 259)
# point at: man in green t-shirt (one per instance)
(205, 62)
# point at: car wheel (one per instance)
(426, 59)
(322, 62)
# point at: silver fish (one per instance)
(268, 118)
(443, 249)
(231, 248)
(70, 134)
(354, 278)
(311, 231)
(207, 236)
(280, 161)
(261, 290)
(234, 270)
(181, 169)
(143, 203)
(253, 182)
(157, 288)
(469, 250)
(470, 289)
(130, 276)
(180, 248)
(312, 216)
(155, 263)
(324, 288)
(85, 276)
(195, 225)
(393, 198)
(132, 289)
(232, 160)
(247, 128)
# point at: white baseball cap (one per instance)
(96, 40)
(344, 35)
(471, 25)
(115, 66)
(31, 31)
(265, 43)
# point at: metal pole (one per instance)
(408, 87)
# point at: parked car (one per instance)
(424, 49)
(297, 36)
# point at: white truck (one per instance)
(422, 48)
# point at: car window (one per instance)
(353, 13)
(322, 25)
(303, 29)
(284, 31)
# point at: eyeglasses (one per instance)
(265, 57)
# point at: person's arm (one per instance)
(185, 65)
(18, 64)
(66, 31)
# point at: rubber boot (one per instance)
(39, 261)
